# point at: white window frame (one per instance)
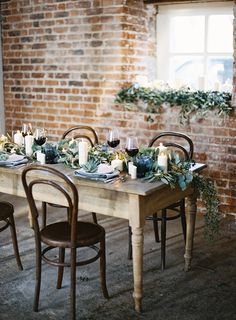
(165, 12)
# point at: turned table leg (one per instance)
(191, 218)
(137, 244)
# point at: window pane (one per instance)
(220, 72)
(220, 36)
(187, 34)
(186, 70)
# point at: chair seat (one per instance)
(58, 234)
(6, 209)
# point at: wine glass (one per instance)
(40, 136)
(113, 139)
(132, 146)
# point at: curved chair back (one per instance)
(49, 177)
(84, 132)
(177, 140)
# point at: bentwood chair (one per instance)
(77, 132)
(7, 220)
(182, 144)
(58, 236)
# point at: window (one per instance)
(195, 45)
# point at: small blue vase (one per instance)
(144, 165)
(51, 153)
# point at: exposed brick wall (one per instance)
(65, 60)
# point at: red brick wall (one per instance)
(65, 60)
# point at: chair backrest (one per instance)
(84, 132)
(41, 175)
(177, 140)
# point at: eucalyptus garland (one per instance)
(209, 197)
(191, 103)
(179, 175)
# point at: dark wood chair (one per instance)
(60, 235)
(7, 217)
(184, 145)
(77, 132)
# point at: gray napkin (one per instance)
(104, 177)
(13, 160)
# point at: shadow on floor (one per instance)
(208, 291)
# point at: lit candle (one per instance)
(162, 159)
(83, 152)
(18, 138)
(71, 141)
(29, 141)
(117, 164)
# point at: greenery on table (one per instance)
(100, 153)
(191, 103)
(7, 146)
(179, 175)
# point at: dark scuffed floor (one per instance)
(207, 292)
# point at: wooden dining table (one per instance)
(132, 200)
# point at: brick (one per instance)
(64, 62)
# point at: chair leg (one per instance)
(95, 220)
(44, 214)
(155, 227)
(183, 218)
(38, 276)
(130, 251)
(103, 268)
(163, 239)
(73, 284)
(14, 241)
(60, 269)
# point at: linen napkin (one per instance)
(13, 160)
(104, 177)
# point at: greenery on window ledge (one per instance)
(191, 103)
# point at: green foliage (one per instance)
(68, 153)
(8, 146)
(191, 103)
(209, 197)
(91, 166)
(179, 175)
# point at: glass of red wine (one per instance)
(40, 136)
(132, 148)
(113, 139)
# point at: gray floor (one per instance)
(208, 291)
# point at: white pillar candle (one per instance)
(162, 162)
(41, 157)
(130, 164)
(83, 152)
(162, 159)
(117, 164)
(18, 138)
(29, 141)
(133, 172)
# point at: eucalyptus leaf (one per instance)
(191, 103)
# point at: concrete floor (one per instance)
(207, 292)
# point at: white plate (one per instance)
(104, 168)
